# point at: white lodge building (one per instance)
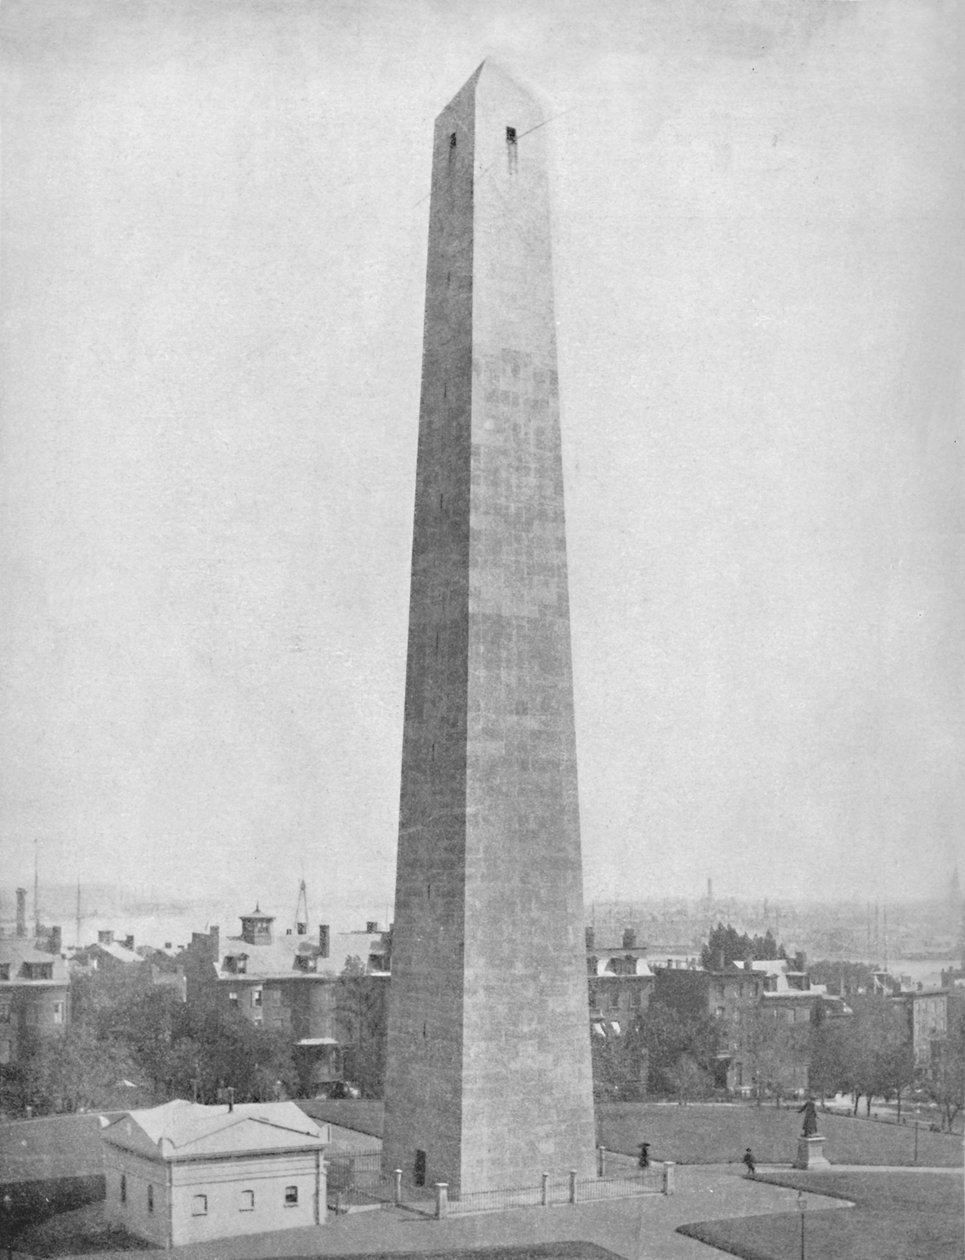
(185, 1173)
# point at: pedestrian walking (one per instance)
(749, 1161)
(644, 1160)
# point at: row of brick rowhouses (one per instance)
(750, 997)
(623, 979)
(286, 980)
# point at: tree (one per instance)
(690, 1081)
(619, 1064)
(151, 1021)
(842, 977)
(774, 1049)
(231, 1051)
(874, 1051)
(945, 1081)
(828, 1071)
(79, 1071)
(360, 1016)
(726, 946)
(667, 1035)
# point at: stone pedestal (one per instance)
(810, 1153)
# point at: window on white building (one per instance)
(199, 1205)
(291, 1196)
(150, 1198)
(247, 1200)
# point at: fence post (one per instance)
(544, 1197)
(668, 1176)
(601, 1161)
(442, 1199)
(397, 1189)
(572, 1185)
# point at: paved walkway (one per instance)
(635, 1229)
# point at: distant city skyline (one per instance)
(214, 264)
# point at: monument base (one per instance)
(810, 1153)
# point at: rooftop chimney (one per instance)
(629, 938)
(56, 940)
(129, 942)
(105, 936)
(323, 940)
(21, 913)
(371, 926)
(589, 937)
(214, 937)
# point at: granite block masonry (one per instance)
(488, 1078)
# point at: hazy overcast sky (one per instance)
(214, 253)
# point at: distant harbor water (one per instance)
(161, 930)
(924, 971)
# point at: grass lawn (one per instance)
(365, 1115)
(897, 1216)
(56, 1146)
(76, 1233)
(719, 1134)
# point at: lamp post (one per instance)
(8, 1224)
(801, 1205)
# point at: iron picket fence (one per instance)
(355, 1180)
(550, 1192)
(620, 1186)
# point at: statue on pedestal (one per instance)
(810, 1114)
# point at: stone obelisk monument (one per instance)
(488, 1079)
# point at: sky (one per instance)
(214, 243)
